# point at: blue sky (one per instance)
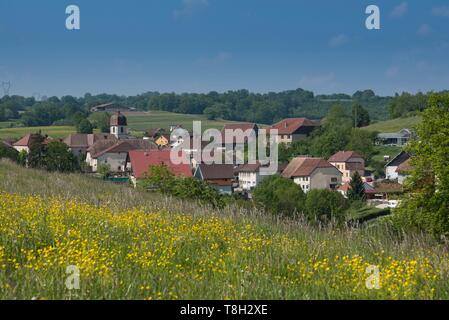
(133, 46)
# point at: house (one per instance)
(294, 129)
(391, 167)
(348, 162)
(395, 139)
(79, 143)
(141, 160)
(162, 141)
(249, 176)
(114, 153)
(219, 176)
(404, 170)
(25, 142)
(110, 107)
(313, 173)
(370, 191)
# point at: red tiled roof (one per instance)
(368, 188)
(111, 146)
(243, 126)
(344, 156)
(141, 161)
(6, 144)
(238, 126)
(81, 140)
(216, 171)
(292, 125)
(304, 167)
(255, 167)
(25, 141)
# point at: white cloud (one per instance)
(442, 11)
(188, 7)
(400, 10)
(338, 40)
(424, 30)
(392, 71)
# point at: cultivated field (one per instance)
(395, 125)
(162, 119)
(134, 245)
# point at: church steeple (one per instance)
(119, 125)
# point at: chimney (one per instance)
(286, 124)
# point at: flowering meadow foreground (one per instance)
(133, 245)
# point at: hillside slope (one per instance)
(134, 245)
(394, 125)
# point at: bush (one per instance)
(160, 178)
(325, 206)
(84, 126)
(8, 153)
(279, 196)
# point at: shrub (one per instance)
(279, 196)
(325, 205)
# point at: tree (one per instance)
(159, 177)
(36, 154)
(356, 190)
(334, 135)
(279, 196)
(8, 152)
(362, 142)
(59, 158)
(84, 126)
(100, 120)
(426, 207)
(104, 170)
(360, 116)
(325, 206)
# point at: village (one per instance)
(124, 158)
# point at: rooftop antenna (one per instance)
(6, 87)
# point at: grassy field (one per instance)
(394, 125)
(52, 131)
(128, 244)
(137, 124)
(162, 119)
(391, 151)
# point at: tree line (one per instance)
(240, 105)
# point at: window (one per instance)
(121, 129)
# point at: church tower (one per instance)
(119, 125)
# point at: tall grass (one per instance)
(136, 245)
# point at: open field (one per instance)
(162, 119)
(137, 122)
(52, 131)
(394, 125)
(130, 244)
(391, 151)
